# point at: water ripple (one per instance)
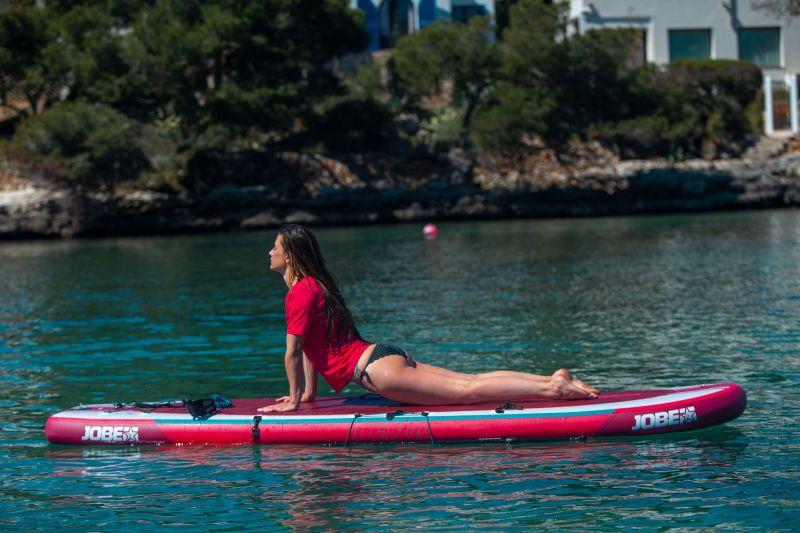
(625, 302)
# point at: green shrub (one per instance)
(354, 125)
(366, 82)
(706, 103)
(554, 87)
(448, 64)
(720, 92)
(558, 88)
(738, 80)
(690, 108)
(516, 113)
(163, 142)
(645, 136)
(443, 129)
(87, 144)
(755, 112)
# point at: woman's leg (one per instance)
(504, 374)
(393, 379)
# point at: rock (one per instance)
(300, 217)
(789, 164)
(264, 219)
(366, 188)
(39, 212)
(408, 123)
(460, 161)
(141, 198)
(414, 212)
(765, 148)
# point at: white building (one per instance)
(712, 29)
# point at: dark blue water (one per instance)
(623, 302)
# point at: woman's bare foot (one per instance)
(585, 386)
(569, 388)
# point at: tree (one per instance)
(93, 40)
(462, 55)
(86, 144)
(778, 8)
(65, 48)
(553, 86)
(28, 65)
(193, 75)
(241, 64)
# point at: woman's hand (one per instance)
(308, 397)
(282, 404)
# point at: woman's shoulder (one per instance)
(305, 288)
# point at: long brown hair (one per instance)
(307, 261)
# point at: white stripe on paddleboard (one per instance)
(576, 410)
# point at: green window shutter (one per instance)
(689, 44)
(761, 46)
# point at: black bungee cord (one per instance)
(347, 440)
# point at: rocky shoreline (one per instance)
(325, 191)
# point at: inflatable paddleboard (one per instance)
(372, 419)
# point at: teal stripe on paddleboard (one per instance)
(411, 417)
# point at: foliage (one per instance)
(87, 144)
(738, 80)
(462, 55)
(556, 88)
(441, 130)
(696, 106)
(227, 63)
(166, 92)
(355, 125)
(367, 83)
(552, 86)
(221, 73)
(778, 8)
(719, 93)
(359, 118)
(68, 48)
(29, 63)
(514, 116)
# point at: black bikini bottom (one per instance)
(381, 350)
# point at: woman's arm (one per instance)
(294, 372)
(310, 383)
(310, 373)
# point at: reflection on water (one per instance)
(627, 303)
(439, 486)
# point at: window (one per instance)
(761, 46)
(689, 44)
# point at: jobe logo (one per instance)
(665, 418)
(111, 433)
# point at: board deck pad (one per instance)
(373, 419)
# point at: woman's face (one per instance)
(277, 257)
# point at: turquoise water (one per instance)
(623, 302)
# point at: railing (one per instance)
(781, 104)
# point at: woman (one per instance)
(319, 324)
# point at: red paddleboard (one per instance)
(372, 419)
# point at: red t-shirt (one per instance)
(306, 317)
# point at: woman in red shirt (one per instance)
(319, 325)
